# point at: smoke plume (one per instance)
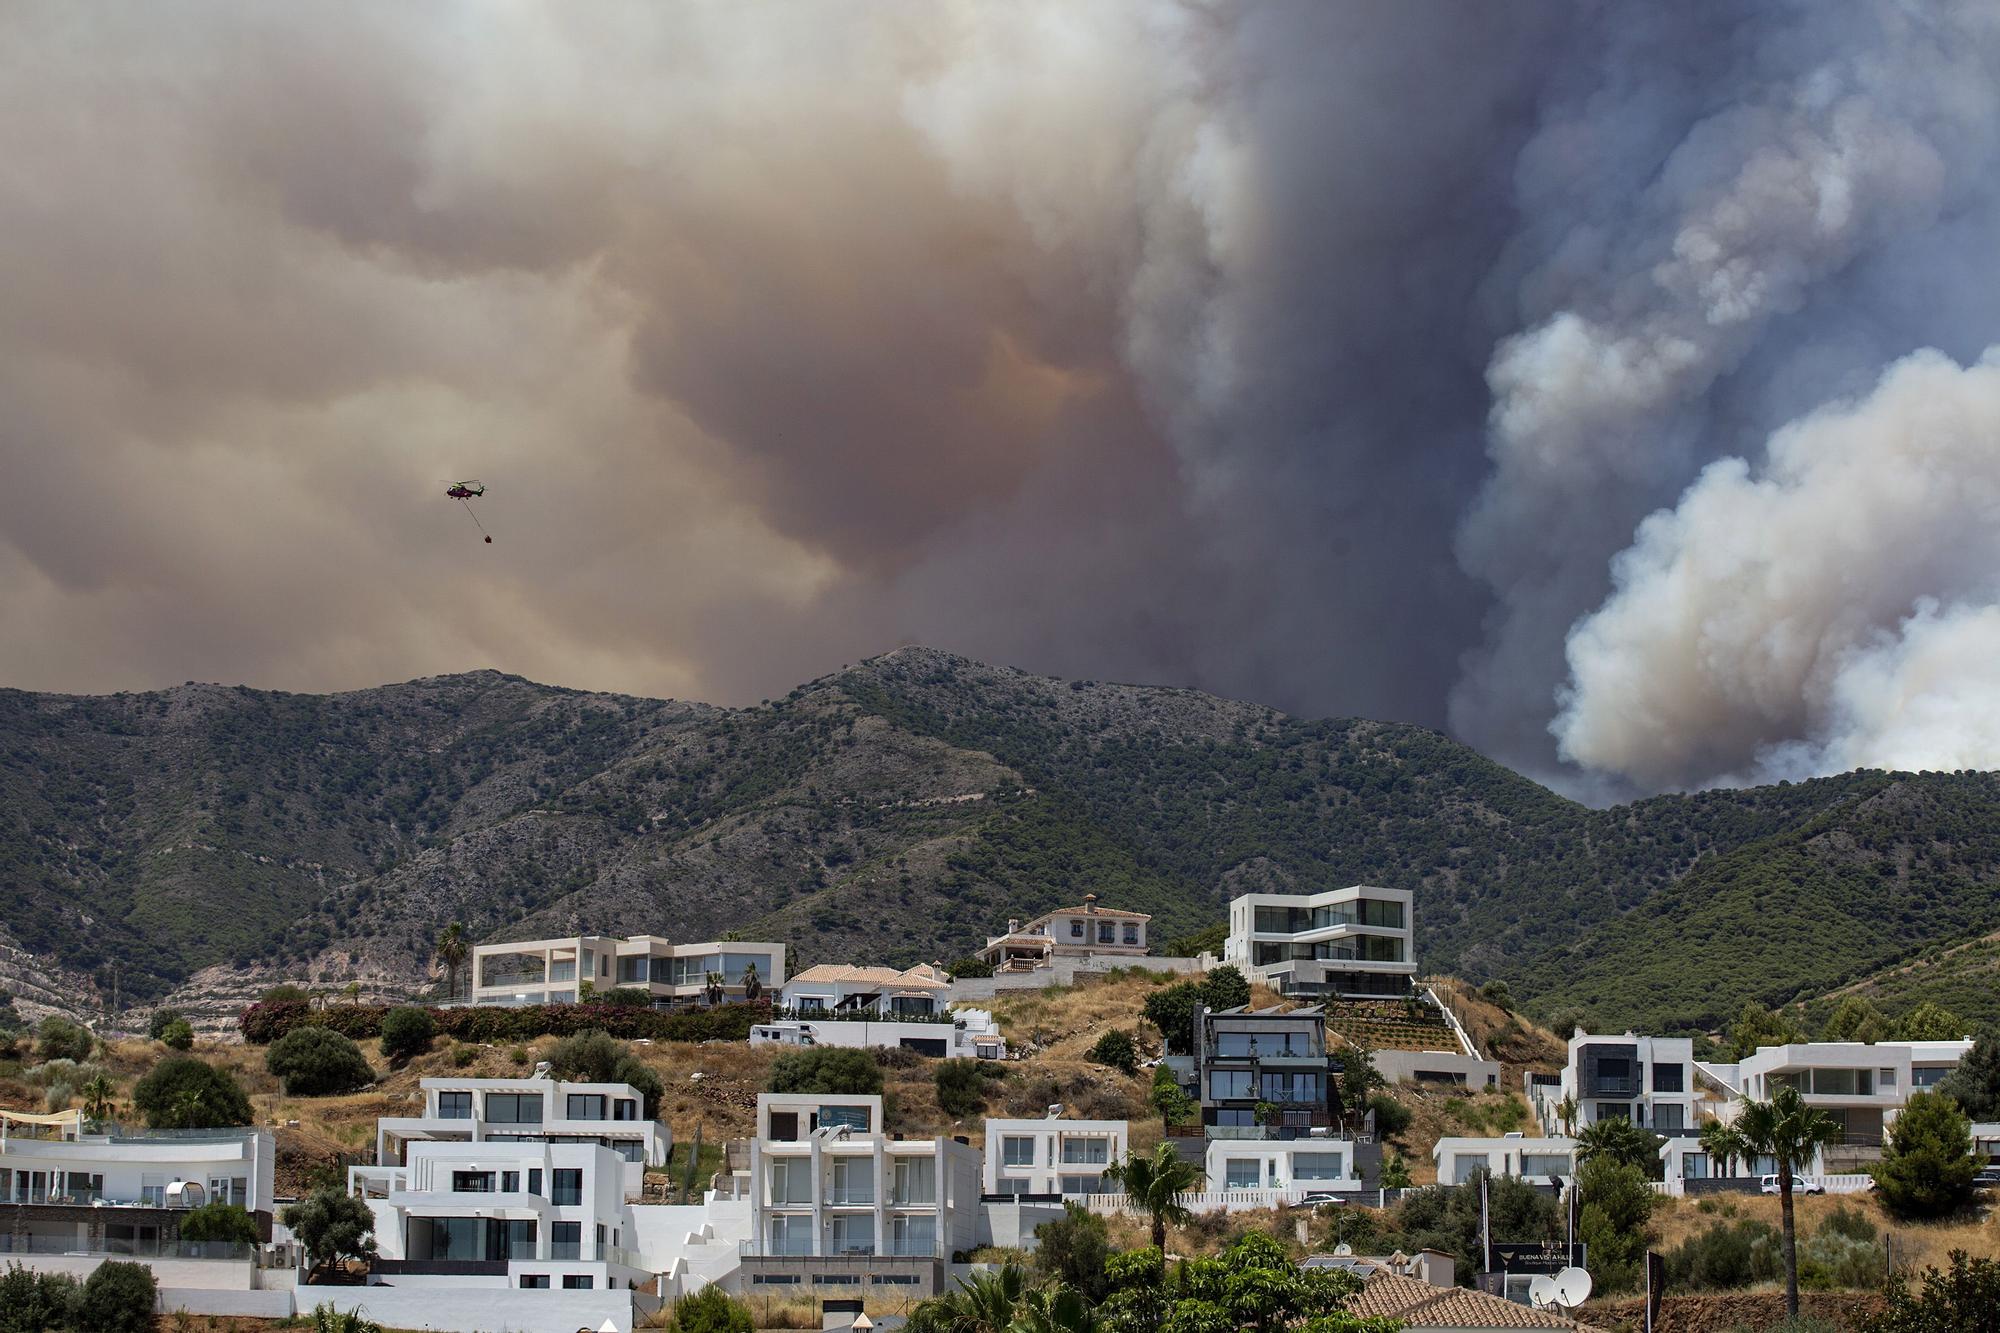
(1420, 361)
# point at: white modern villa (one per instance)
(520, 1215)
(1351, 942)
(1649, 1081)
(839, 1202)
(557, 971)
(1052, 1156)
(1524, 1156)
(77, 1194)
(1085, 932)
(1297, 1165)
(530, 1110)
(837, 991)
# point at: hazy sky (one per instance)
(1555, 373)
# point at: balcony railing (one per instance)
(440, 1267)
(565, 1249)
(1612, 1087)
(852, 1196)
(11, 1243)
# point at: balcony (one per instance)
(851, 1197)
(1612, 1087)
(440, 1267)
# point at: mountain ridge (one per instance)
(205, 840)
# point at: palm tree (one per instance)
(713, 984)
(752, 985)
(1620, 1140)
(450, 951)
(1566, 1113)
(1055, 1309)
(1156, 1184)
(97, 1098)
(1724, 1145)
(983, 1303)
(1792, 1133)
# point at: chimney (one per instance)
(1090, 904)
(1013, 924)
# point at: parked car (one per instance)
(1800, 1185)
(1987, 1177)
(1318, 1197)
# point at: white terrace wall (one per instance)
(477, 1309)
(1062, 972)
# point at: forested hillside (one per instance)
(208, 838)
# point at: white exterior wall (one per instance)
(1240, 947)
(422, 1190)
(597, 958)
(817, 1215)
(654, 1138)
(1048, 1142)
(131, 1166)
(1647, 1102)
(972, 1033)
(1228, 1162)
(1455, 1157)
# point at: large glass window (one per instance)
(1843, 1082)
(1670, 1077)
(1545, 1164)
(1464, 1166)
(472, 1182)
(1928, 1076)
(1297, 1089)
(565, 1239)
(511, 969)
(790, 1179)
(1319, 1166)
(1224, 1084)
(848, 1117)
(1281, 920)
(1083, 1184)
(1087, 1152)
(1299, 1042)
(586, 1106)
(625, 1108)
(578, 1282)
(566, 1186)
(1017, 1150)
(514, 1108)
(789, 1235)
(1380, 948)
(915, 1180)
(1241, 1173)
(1614, 1110)
(1669, 1115)
(565, 971)
(853, 1233)
(454, 1106)
(853, 1180)
(913, 1235)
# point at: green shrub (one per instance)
(625, 997)
(285, 993)
(1391, 1116)
(407, 1032)
(1115, 1050)
(1724, 1256)
(461, 1056)
(1074, 1249)
(266, 1021)
(184, 1092)
(60, 1039)
(710, 1310)
(840, 1070)
(318, 1062)
(331, 1225)
(961, 1087)
(219, 1221)
(157, 1024)
(177, 1035)
(598, 1057)
(1927, 1168)
(1498, 993)
(118, 1298)
(32, 1302)
(969, 967)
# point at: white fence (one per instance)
(1231, 1201)
(1842, 1184)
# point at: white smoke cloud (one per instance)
(1824, 148)
(1837, 607)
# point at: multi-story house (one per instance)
(837, 991)
(1860, 1085)
(1649, 1081)
(1274, 1058)
(530, 1216)
(1052, 1156)
(74, 1190)
(557, 971)
(1321, 1162)
(531, 1110)
(1537, 1159)
(959, 1034)
(1082, 932)
(839, 1202)
(1351, 942)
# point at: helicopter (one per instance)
(465, 492)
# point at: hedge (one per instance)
(264, 1023)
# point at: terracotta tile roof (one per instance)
(922, 976)
(1419, 1305)
(1111, 912)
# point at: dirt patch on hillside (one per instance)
(1713, 1312)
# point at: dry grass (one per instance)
(1917, 1244)
(1502, 1035)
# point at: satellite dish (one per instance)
(1343, 1250)
(1572, 1287)
(1542, 1290)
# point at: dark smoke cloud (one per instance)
(1320, 353)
